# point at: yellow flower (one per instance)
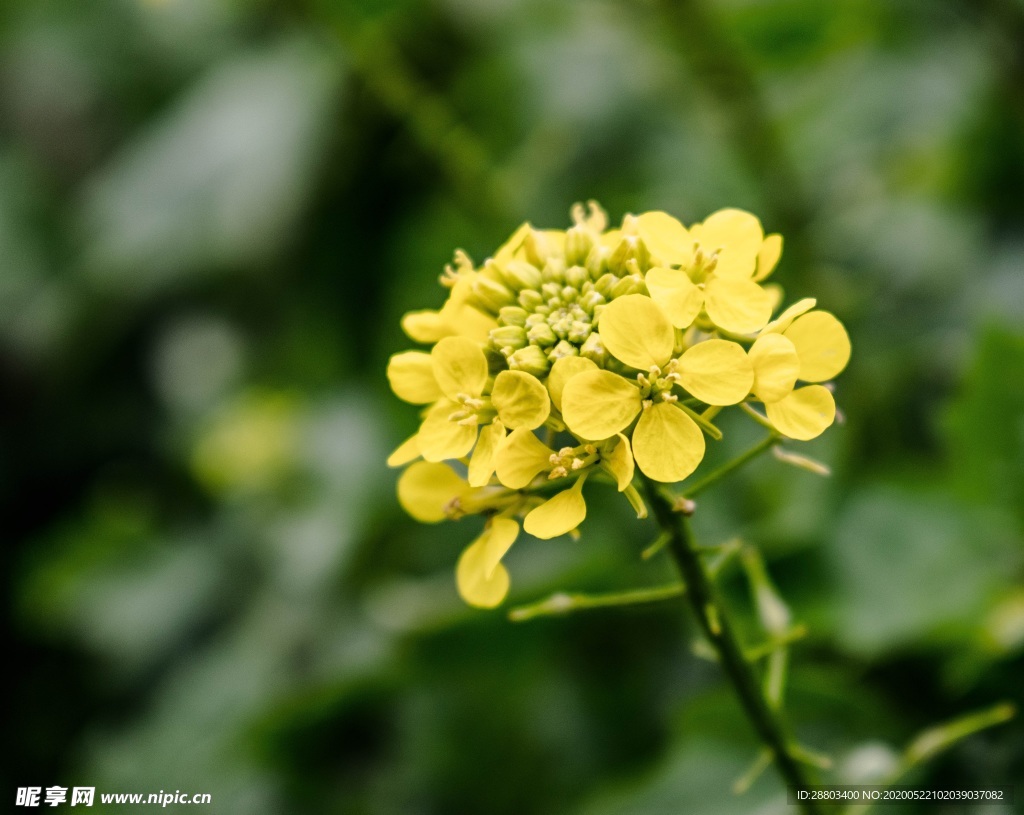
(612, 340)
(667, 443)
(455, 377)
(480, 576)
(806, 345)
(713, 267)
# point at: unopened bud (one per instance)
(594, 349)
(530, 360)
(508, 336)
(541, 334)
(563, 349)
(589, 301)
(520, 275)
(578, 242)
(634, 284)
(492, 294)
(597, 261)
(554, 271)
(537, 247)
(530, 299)
(512, 315)
(605, 284)
(577, 277)
(630, 247)
(579, 331)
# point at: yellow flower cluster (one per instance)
(597, 351)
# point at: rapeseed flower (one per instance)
(593, 355)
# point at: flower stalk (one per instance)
(714, 622)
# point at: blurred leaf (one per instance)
(219, 180)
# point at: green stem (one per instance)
(558, 604)
(716, 626)
(717, 475)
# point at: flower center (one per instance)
(656, 385)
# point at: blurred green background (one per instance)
(213, 214)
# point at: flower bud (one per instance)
(508, 336)
(541, 334)
(578, 242)
(589, 301)
(594, 349)
(554, 271)
(605, 284)
(530, 299)
(530, 360)
(630, 247)
(597, 261)
(512, 315)
(563, 349)
(492, 294)
(634, 284)
(551, 291)
(577, 277)
(579, 331)
(520, 275)
(537, 247)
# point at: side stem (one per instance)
(716, 626)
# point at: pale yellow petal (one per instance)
(424, 326)
(460, 366)
(822, 344)
(636, 331)
(678, 296)
(768, 256)
(558, 515)
(785, 320)
(667, 239)
(520, 458)
(507, 250)
(426, 490)
(564, 369)
(619, 462)
(411, 375)
(776, 367)
(440, 438)
(521, 400)
(667, 443)
(480, 577)
(717, 372)
(737, 305)
(482, 462)
(408, 450)
(804, 414)
(598, 404)
(737, 237)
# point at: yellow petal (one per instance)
(521, 399)
(558, 515)
(408, 450)
(425, 490)
(424, 326)
(636, 331)
(619, 463)
(481, 465)
(737, 305)
(785, 320)
(440, 438)
(804, 414)
(678, 296)
(822, 344)
(717, 372)
(459, 366)
(411, 375)
(562, 371)
(737, 237)
(768, 256)
(598, 404)
(520, 458)
(666, 238)
(776, 367)
(667, 443)
(507, 250)
(481, 579)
